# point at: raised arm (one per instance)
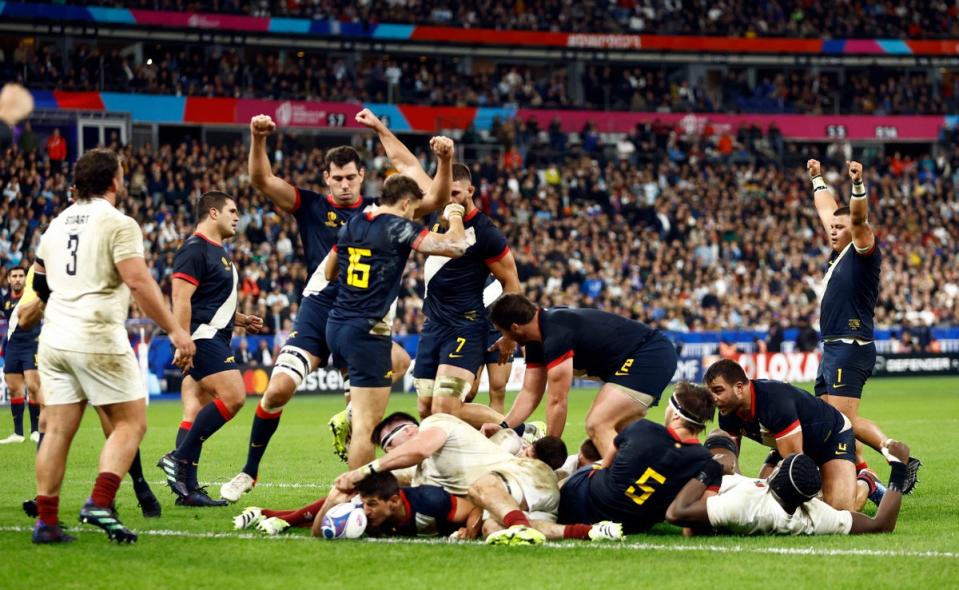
(276, 189)
(400, 156)
(825, 200)
(453, 242)
(862, 236)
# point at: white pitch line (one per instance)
(802, 551)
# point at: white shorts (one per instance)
(69, 377)
(533, 485)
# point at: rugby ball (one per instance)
(344, 521)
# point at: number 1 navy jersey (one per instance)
(319, 219)
(852, 290)
(206, 265)
(778, 410)
(372, 252)
(595, 340)
(429, 510)
(651, 465)
(454, 287)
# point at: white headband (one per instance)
(683, 413)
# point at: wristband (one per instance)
(818, 183)
(897, 478)
(372, 467)
(711, 471)
(504, 424)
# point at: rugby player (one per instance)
(371, 255)
(20, 360)
(790, 420)
(319, 218)
(634, 362)
(89, 261)
(848, 309)
(205, 301)
(647, 467)
(784, 503)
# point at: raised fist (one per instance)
(814, 168)
(442, 147)
(368, 119)
(262, 126)
(855, 171)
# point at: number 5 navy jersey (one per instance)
(372, 252)
(207, 265)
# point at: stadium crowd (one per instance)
(779, 18)
(236, 72)
(616, 227)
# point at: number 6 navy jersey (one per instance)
(206, 265)
(372, 252)
(319, 220)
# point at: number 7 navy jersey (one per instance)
(372, 252)
(206, 265)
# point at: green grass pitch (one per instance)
(189, 548)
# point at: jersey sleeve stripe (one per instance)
(185, 277)
(419, 238)
(298, 200)
(869, 251)
(498, 257)
(566, 355)
(791, 429)
(452, 513)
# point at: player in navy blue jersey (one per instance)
(371, 255)
(205, 301)
(634, 362)
(848, 308)
(648, 466)
(790, 420)
(453, 342)
(20, 361)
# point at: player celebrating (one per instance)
(784, 503)
(848, 308)
(89, 261)
(371, 256)
(788, 419)
(634, 362)
(205, 299)
(20, 366)
(319, 218)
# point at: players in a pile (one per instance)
(848, 309)
(20, 361)
(89, 261)
(204, 302)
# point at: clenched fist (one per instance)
(814, 168)
(442, 147)
(855, 172)
(368, 119)
(262, 126)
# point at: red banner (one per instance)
(295, 113)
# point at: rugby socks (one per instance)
(298, 518)
(16, 408)
(40, 439)
(48, 509)
(264, 425)
(181, 433)
(140, 485)
(210, 419)
(515, 517)
(577, 531)
(105, 489)
(861, 466)
(34, 409)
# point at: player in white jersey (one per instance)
(782, 504)
(89, 262)
(520, 494)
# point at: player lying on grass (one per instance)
(520, 494)
(391, 511)
(785, 503)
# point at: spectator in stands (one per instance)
(807, 340)
(56, 146)
(242, 352)
(263, 355)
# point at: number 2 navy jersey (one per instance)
(206, 265)
(852, 290)
(454, 287)
(595, 340)
(778, 410)
(372, 252)
(651, 465)
(429, 510)
(319, 219)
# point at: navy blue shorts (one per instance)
(366, 356)
(309, 329)
(213, 355)
(845, 368)
(841, 445)
(648, 369)
(459, 346)
(574, 500)
(20, 356)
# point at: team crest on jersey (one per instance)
(332, 220)
(855, 324)
(226, 263)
